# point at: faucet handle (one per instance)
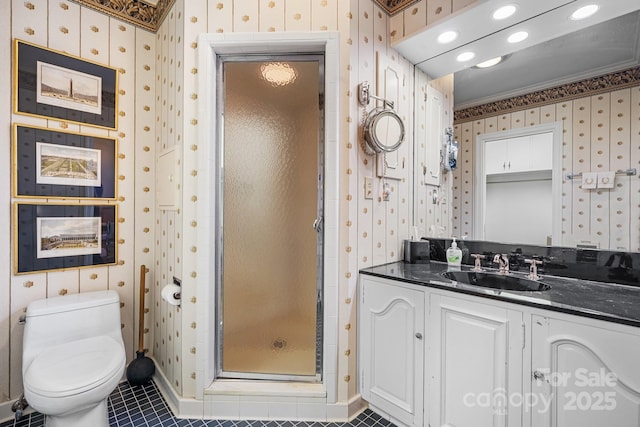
(533, 269)
(478, 262)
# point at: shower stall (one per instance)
(269, 260)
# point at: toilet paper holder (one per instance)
(177, 282)
(173, 293)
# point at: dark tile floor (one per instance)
(145, 406)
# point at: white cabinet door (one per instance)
(495, 155)
(435, 135)
(475, 363)
(542, 151)
(518, 154)
(390, 84)
(391, 351)
(587, 375)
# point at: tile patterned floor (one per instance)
(145, 406)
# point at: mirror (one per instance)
(383, 130)
(518, 185)
(605, 48)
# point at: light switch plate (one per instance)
(368, 187)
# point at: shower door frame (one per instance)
(311, 56)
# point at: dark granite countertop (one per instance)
(604, 301)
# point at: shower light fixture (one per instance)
(278, 73)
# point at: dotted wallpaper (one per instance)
(158, 112)
(371, 231)
(600, 133)
(65, 26)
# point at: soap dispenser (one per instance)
(454, 254)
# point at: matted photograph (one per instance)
(59, 236)
(53, 84)
(67, 165)
(68, 88)
(59, 164)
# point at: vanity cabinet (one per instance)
(584, 373)
(432, 357)
(391, 348)
(519, 154)
(475, 362)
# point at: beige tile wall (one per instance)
(600, 133)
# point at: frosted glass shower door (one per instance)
(271, 254)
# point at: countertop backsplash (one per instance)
(590, 264)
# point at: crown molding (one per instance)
(588, 87)
(394, 6)
(137, 12)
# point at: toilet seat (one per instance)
(75, 367)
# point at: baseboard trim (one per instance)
(356, 406)
(180, 406)
(193, 408)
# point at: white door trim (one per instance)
(209, 47)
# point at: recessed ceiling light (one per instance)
(518, 37)
(466, 56)
(447, 37)
(504, 12)
(584, 12)
(490, 62)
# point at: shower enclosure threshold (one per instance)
(266, 388)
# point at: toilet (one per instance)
(73, 357)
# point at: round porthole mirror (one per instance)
(383, 130)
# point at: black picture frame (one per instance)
(60, 164)
(55, 85)
(60, 236)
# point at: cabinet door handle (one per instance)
(418, 335)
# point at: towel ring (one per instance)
(383, 130)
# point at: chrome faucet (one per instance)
(503, 262)
(533, 269)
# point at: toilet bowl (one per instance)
(73, 357)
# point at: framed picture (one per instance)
(56, 85)
(55, 236)
(59, 164)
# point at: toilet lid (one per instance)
(75, 367)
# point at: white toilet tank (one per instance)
(69, 318)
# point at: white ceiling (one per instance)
(558, 50)
(611, 46)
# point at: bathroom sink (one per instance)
(505, 282)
